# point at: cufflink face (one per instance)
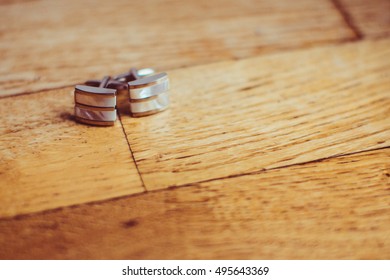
(95, 105)
(149, 95)
(95, 96)
(95, 115)
(149, 106)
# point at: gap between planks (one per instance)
(278, 167)
(53, 210)
(348, 19)
(337, 209)
(276, 50)
(131, 152)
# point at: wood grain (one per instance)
(47, 160)
(47, 44)
(242, 116)
(372, 18)
(334, 209)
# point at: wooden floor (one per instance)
(276, 144)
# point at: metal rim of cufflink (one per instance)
(95, 101)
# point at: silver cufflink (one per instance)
(96, 100)
(95, 105)
(149, 95)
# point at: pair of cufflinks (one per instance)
(96, 100)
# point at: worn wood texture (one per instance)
(46, 44)
(47, 160)
(246, 140)
(371, 18)
(242, 116)
(333, 209)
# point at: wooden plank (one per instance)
(372, 18)
(242, 116)
(46, 44)
(334, 209)
(47, 160)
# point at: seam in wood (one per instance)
(275, 168)
(193, 184)
(277, 50)
(132, 154)
(35, 91)
(348, 19)
(53, 210)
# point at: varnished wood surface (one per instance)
(47, 160)
(333, 209)
(48, 44)
(236, 117)
(276, 144)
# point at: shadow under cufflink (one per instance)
(66, 116)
